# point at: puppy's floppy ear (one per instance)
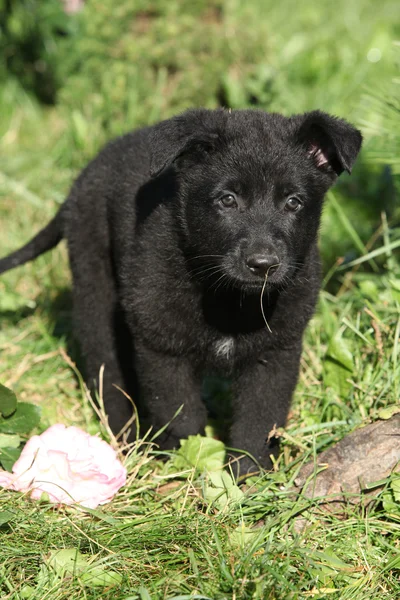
(169, 140)
(332, 143)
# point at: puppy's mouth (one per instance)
(228, 278)
(256, 271)
(249, 274)
(257, 283)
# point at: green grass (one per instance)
(160, 533)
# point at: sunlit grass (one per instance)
(159, 533)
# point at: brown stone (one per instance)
(351, 470)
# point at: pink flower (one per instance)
(69, 465)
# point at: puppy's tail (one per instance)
(45, 240)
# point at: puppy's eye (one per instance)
(293, 204)
(228, 201)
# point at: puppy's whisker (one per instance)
(205, 268)
(204, 256)
(262, 294)
(223, 280)
(204, 273)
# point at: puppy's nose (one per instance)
(263, 264)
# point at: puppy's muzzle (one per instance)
(263, 264)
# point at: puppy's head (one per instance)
(251, 187)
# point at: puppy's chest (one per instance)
(224, 348)
(227, 352)
(216, 337)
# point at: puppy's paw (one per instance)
(244, 466)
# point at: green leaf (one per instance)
(23, 420)
(395, 487)
(5, 517)
(336, 378)
(8, 457)
(389, 504)
(222, 489)
(72, 562)
(9, 440)
(8, 401)
(388, 412)
(100, 576)
(369, 289)
(27, 591)
(338, 366)
(201, 452)
(69, 560)
(242, 535)
(339, 351)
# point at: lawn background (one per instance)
(68, 83)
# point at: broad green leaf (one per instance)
(72, 562)
(68, 560)
(338, 366)
(222, 489)
(338, 350)
(201, 452)
(27, 591)
(100, 576)
(336, 378)
(388, 412)
(5, 517)
(8, 457)
(395, 289)
(23, 420)
(389, 503)
(8, 440)
(395, 487)
(8, 401)
(242, 535)
(369, 288)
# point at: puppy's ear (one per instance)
(185, 134)
(332, 143)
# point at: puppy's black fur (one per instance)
(171, 232)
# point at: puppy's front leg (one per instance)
(262, 395)
(166, 384)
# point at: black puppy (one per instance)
(173, 231)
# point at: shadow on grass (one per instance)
(58, 310)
